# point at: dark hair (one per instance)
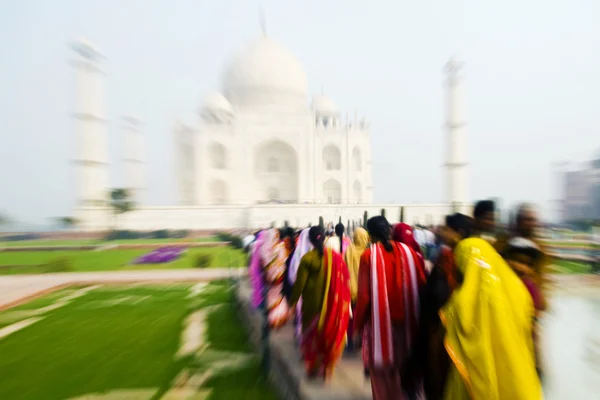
(286, 232)
(339, 231)
(316, 235)
(379, 229)
(483, 207)
(461, 223)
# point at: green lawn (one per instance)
(573, 244)
(83, 242)
(572, 267)
(110, 260)
(118, 338)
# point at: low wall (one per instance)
(259, 216)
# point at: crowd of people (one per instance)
(440, 313)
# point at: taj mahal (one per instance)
(261, 152)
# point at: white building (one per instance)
(260, 141)
(263, 153)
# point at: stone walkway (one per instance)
(15, 289)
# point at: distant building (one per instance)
(581, 199)
(260, 153)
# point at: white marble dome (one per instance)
(324, 106)
(217, 102)
(266, 74)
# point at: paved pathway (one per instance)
(16, 288)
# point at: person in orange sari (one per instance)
(387, 310)
(323, 282)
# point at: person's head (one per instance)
(526, 221)
(521, 250)
(403, 233)
(339, 231)
(361, 238)
(458, 227)
(379, 230)
(287, 235)
(316, 235)
(485, 216)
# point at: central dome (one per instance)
(265, 74)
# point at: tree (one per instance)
(67, 222)
(365, 219)
(120, 201)
(401, 214)
(321, 223)
(4, 220)
(383, 212)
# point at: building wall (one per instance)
(257, 216)
(248, 141)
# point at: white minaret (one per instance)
(457, 180)
(92, 152)
(133, 159)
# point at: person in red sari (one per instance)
(323, 282)
(387, 310)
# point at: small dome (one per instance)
(266, 73)
(217, 102)
(323, 105)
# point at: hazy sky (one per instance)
(532, 83)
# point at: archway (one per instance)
(276, 172)
(218, 192)
(332, 191)
(357, 191)
(332, 158)
(218, 155)
(356, 159)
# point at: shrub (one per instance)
(61, 264)
(234, 241)
(123, 235)
(161, 234)
(202, 261)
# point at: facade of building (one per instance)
(261, 153)
(262, 142)
(582, 192)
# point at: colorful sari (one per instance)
(387, 344)
(273, 254)
(324, 339)
(302, 247)
(255, 273)
(488, 323)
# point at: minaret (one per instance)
(457, 191)
(133, 159)
(92, 153)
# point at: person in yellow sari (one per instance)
(352, 257)
(488, 324)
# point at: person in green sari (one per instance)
(323, 282)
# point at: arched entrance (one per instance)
(332, 190)
(276, 172)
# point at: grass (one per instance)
(76, 350)
(117, 259)
(571, 244)
(89, 347)
(572, 267)
(83, 242)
